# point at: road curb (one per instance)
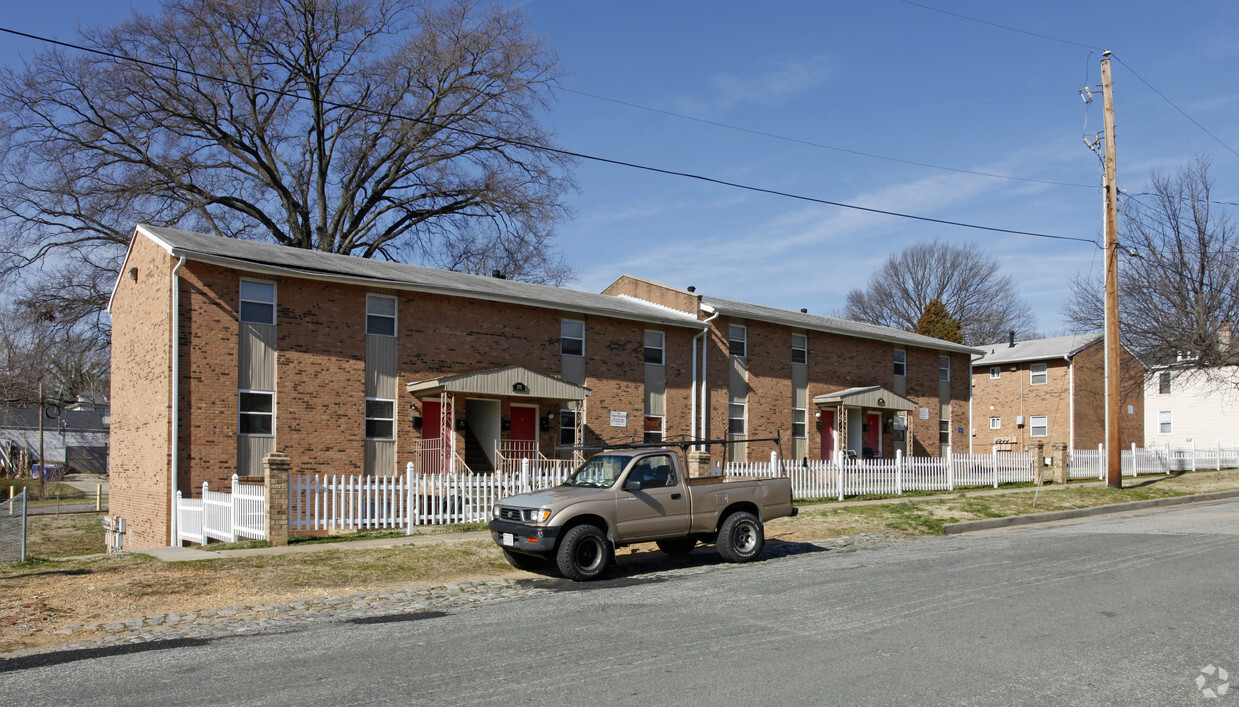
(992, 523)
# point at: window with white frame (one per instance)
(735, 419)
(572, 337)
(655, 344)
(653, 432)
(944, 433)
(1163, 383)
(1039, 425)
(257, 302)
(944, 368)
(255, 412)
(995, 372)
(738, 340)
(901, 362)
(1165, 422)
(800, 348)
(995, 423)
(380, 418)
(380, 315)
(1038, 374)
(799, 426)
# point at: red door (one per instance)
(873, 435)
(524, 434)
(828, 434)
(435, 453)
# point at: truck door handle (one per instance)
(675, 497)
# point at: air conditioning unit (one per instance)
(1019, 420)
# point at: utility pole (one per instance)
(1114, 452)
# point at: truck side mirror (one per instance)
(632, 485)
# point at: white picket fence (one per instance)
(860, 477)
(222, 515)
(322, 502)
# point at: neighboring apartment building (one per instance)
(225, 350)
(1188, 405)
(75, 439)
(1051, 390)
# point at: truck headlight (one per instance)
(494, 512)
(537, 515)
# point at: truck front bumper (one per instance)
(523, 538)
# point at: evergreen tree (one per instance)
(937, 322)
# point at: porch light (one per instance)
(519, 387)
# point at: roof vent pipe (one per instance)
(1011, 339)
(804, 311)
(692, 288)
(497, 274)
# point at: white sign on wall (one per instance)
(619, 419)
(924, 413)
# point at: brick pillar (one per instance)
(1060, 462)
(276, 466)
(1038, 462)
(698, 464)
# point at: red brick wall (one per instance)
(139, 460)
(208, 395)
(1013, 395)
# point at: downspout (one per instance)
(176, 396)
(704, 356)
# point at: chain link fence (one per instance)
(13, 528)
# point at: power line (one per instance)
(995, 24)
(1090, 47)
(1172, 105)
(809, 143)
(554, 150)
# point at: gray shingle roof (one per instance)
(272, 259)
(1036, 349)
(831, 324)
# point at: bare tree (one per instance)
(1179, 292)
(968, 282)
(35, 348)
(381, 128)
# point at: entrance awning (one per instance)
(515, 381)
(874, 396)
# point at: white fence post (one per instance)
(1192, 449)
(774, 463)
(950, 472)
(1101, 461)
(899, 472)
(176, 512)
(408, 499)
(839, 471)
(525, 488)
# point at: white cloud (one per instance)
(783, 78)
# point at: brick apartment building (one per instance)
(225, 350)
(1051, 390)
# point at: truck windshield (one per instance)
(598, 472)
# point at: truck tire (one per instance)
(523, 562)
(677, 546)
(584, 553)
(741, 537)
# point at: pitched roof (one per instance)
(832, 325)
(266, 258)
(1036, 349)
(508, 380)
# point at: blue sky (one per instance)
(876, 76)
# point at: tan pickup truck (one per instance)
(636, 495)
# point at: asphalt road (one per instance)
(1120, 610)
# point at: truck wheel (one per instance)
(741, 537)
(523, 562)
(677, 546)
(583, 553)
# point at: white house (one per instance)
(1190, 406)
